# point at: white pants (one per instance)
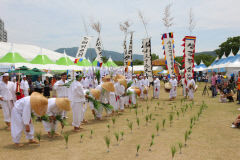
(17, 127)
(121, 103)
(156, 92)
(126, 100)
(78, 113)
(99, 112)
(191, 93)
(50, 126)
(184, 90)
(25, 92)
(173, 93)
(113, 101)
(7, 108)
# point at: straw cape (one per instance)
(96, 93)
(39, 103)
(137, 90)
(167, 87)
(145, 90)
(106, 78)
(63, 104)
(123, 82)
(108, 86)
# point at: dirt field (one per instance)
(211, 138)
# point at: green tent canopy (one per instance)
(13, 58)
(42, 59)
(25, 71)
(64, 61)
(84, 62)
(110, 63)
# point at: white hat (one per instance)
(14, 77)
(24, 76)
(5, 75)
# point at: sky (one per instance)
(54, 24)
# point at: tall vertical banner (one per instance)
(146, 49)
(125, 53)
(98, 49)
(188, 57)
(130, 49)
(168, 47)
(83, 47)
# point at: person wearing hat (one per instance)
(7, 94)
(156, 87)
(173, 91)
(190, 88)
(62, 91)
(21, 116)
(55, 108)
(24, 86)
(85, 82)
(121, 90)
(78, 100)
(145, 83)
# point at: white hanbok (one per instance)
(191, 90)
(21, 116)
(52, 110)
(62, 91)
(78, 100)
(24, 86)
(7, 92)
(173, 91)
(156, 88)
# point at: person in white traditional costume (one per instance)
(62, 91)
(121, 91)
(21, 116)
(85, 82)
(191, 88)
(78, 100)
(184, 87)
(24, 86)
(14, 80)
(145, 84)
(156, 87)
(173, 91)
(7, 94)
(55, 108)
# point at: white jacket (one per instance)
(77, 92)
(62, 91)
(7, 91)
(53, 110)
(24, 85)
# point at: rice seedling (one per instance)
(147, 108)
(146, 119)
(182, 110)
(138, 122)
(189, 133)
(107, 141)
(117, 137)
(138, 147)
(142, 111)
(150, 117)
(81, 137)
(191, 120)
(173, 151)
(39, 136)
(150, 147)
(91, 133)
(177, 115)
(180, 147)
(157, 128)
(170, 119)
(130, 126)
(122, 134)
(153, 136)
(155, 108)
(194, 118)
(186, 107)
(185, 138)
(163, 123)
(191, 105)
(158, 103)
(191, 126)
(175, 107)
(113, 121)
(52, 132)
(66, 136)
(136, 112)
(108, 126)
